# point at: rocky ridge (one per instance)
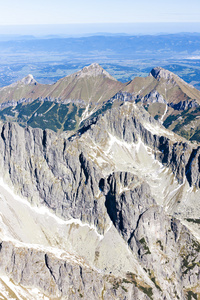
(170, 100)
(28, 80)
(125, 181)
(163, 94)
(86, 84)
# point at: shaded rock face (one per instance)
(154, 97)
(183, 105)
(119, 207)
(160, 73)
(76, 178)
(156, 239)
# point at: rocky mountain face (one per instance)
(108, 211)
(169, 99)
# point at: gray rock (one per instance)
(61, 173)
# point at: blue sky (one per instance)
(21, 12)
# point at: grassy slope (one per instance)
(94, 91)
(87, 88)
(44, 115)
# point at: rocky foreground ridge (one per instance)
(108, 212)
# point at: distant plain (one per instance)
(50, 58)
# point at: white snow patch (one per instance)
(19, 291)
(158, 130)
(164, 113)
(44, 211)
(114, 140)
(109, 227)
(123, 189)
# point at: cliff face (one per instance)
(42, 273)
(110, 212)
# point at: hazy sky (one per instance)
(20, 12)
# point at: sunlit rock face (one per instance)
(110, 211)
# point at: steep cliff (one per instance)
(109, 212)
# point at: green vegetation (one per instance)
(191, 295)
(196, 136)
(189, 260)
(185, 134)
(44, 115)
(70, 123)
(80, 111)
(147, 291)
(8, 111)
(48, 119)
(160, 244)
(62, 112)
(188, 119)
(178, 127)
(169, 120)
(119, 283)
(44, 107)
(144, 244)
(100, 111)
(153, 278)
(194, 220)
(132, 278)
(196, 246)
(188, 266)
(185, 125)
(26, 110)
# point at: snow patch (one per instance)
(158, 130)
(44, 211)
(22, 293)
(164, 114)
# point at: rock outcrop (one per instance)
(127, 180)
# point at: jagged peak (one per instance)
(28, 80)
(94, 70)
(159, 73)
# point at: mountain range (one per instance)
(105, 205)
(65, 104)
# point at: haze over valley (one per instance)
(52, 57)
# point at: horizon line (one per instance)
(100, 23)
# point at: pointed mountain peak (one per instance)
(28, 80)
(159, 73)
(94, 70)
